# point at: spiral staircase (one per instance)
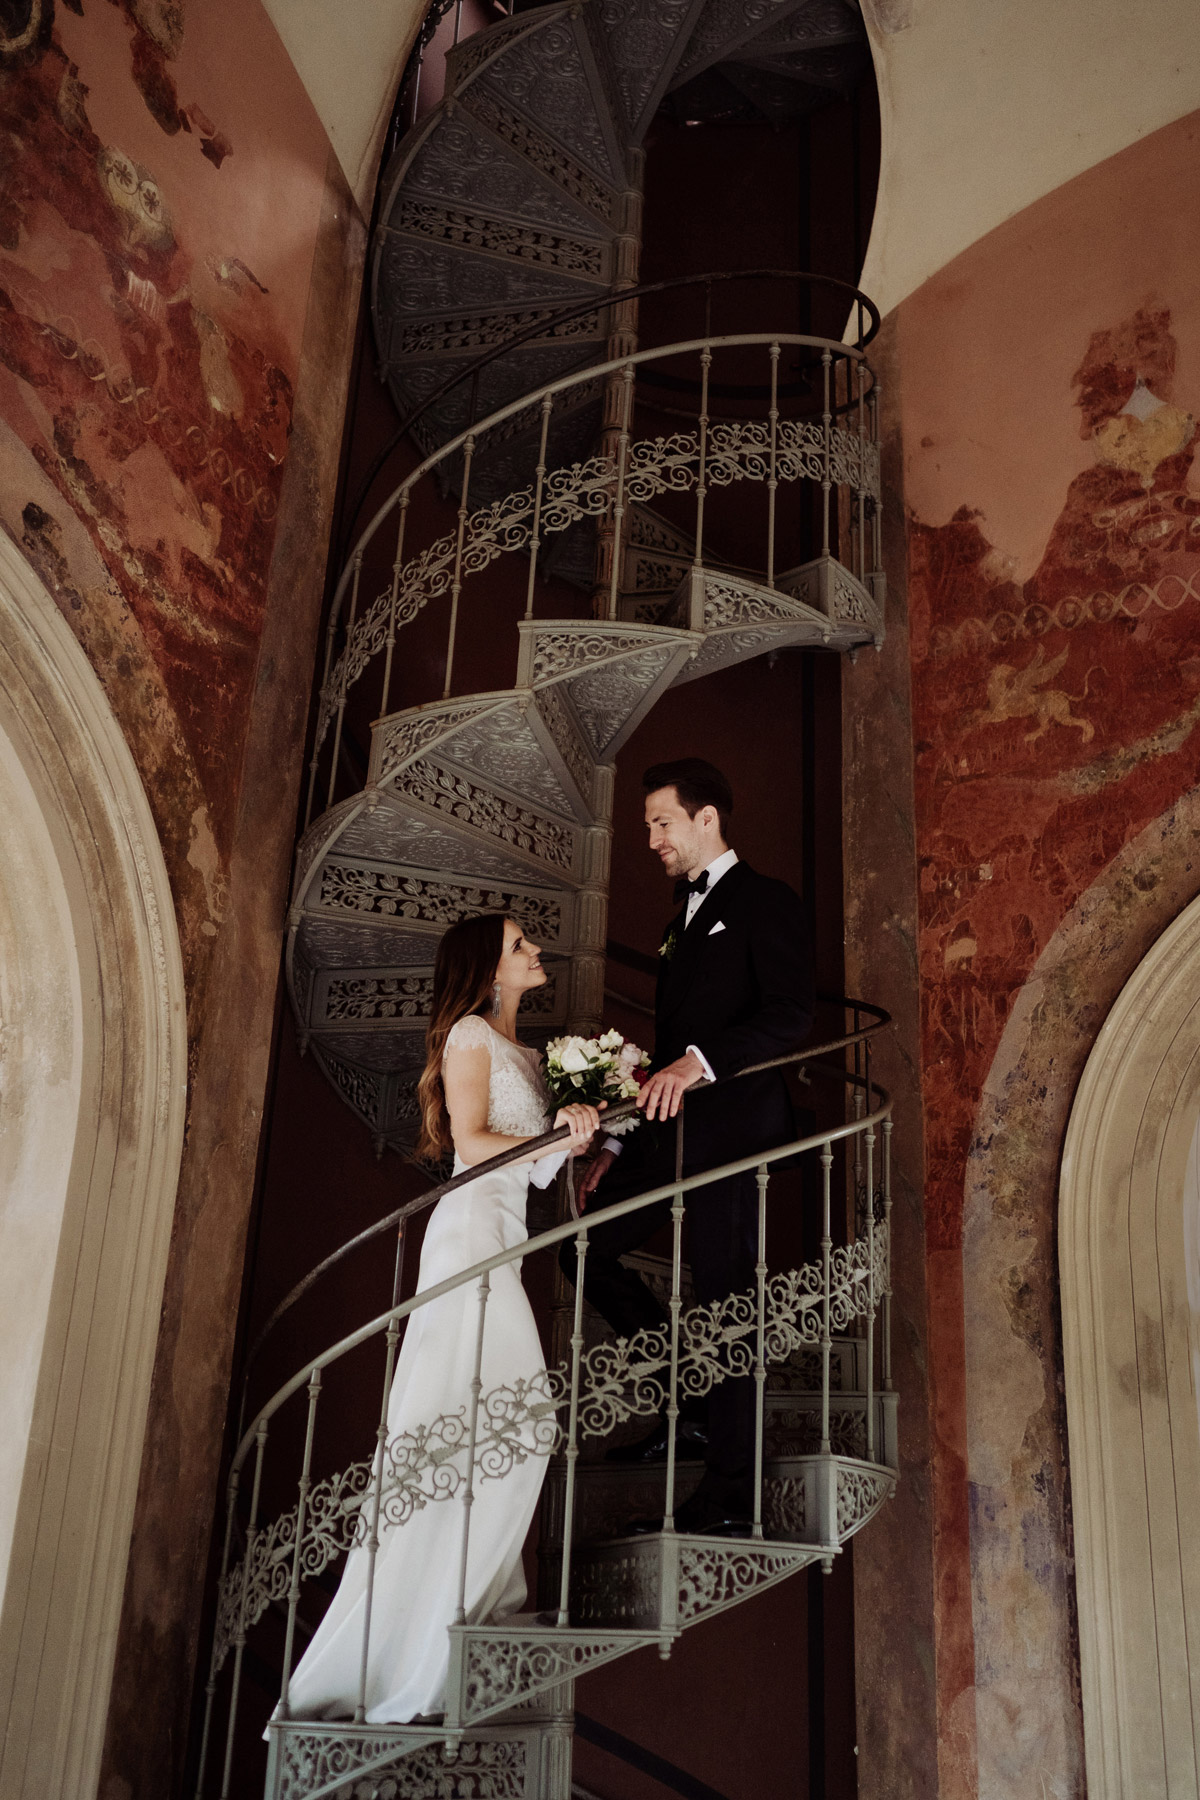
(514, 207)
(518, 197)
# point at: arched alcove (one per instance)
(1128, 1331)
(93, 1079)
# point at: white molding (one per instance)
(74, 1517)
(1132, 1437)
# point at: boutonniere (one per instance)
(667, 948)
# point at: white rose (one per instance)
(629, 1059)
(572, 1058)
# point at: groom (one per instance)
(734, 989)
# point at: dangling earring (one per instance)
(496, 1001)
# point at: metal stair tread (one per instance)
(394, 831)
(460, 144)
(567, 102)
(642, 58)
(497, 743)
(723, 27)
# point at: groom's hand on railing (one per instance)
(661, 1096)
(593, 1175)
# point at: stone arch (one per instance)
(1129, 1166)
(93, 1076)
(1022, 1715)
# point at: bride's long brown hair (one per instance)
(463, 976)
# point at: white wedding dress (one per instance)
(417, 1565)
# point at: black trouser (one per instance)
(721, 1240)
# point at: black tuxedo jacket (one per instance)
(737, 982)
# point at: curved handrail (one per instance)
(401, 1214)
(555, 1234)
(550, 320)
(565, 495)
(563, 384)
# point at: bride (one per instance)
(481, 1093)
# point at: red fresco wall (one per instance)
(160, 200)
(179, 267)
(1053, 582)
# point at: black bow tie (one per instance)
(684, 888)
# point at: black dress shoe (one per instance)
(690, 1441)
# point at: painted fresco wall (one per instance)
(179, 268)
(159, 206)
(1048, 380)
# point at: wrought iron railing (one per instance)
(801, 1312)
(834, 448)
(547, 321)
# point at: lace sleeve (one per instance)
(471, 1033)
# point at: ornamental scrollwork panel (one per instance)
(467, 230)
(480, 1771)
(730, 602)
(548, 839)
(547, 82)
(474, 333)
(351, 888)
(710, 1577)
(859, 1492)
(785, 1506)
(463, 164)
(363, 1088)
(616, 1590)
(605, 698)
(377, 997)
(557, 651)
(556, 164)
(567, 741)
(407, 737)
(500, 1669)
(501, 747)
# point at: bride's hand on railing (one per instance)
(583, 1122)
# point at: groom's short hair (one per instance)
(697, 783)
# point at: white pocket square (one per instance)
(719, 926)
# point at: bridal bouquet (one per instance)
(595, 1069)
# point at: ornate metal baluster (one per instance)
(702, 464)
(572, 1452)
(870, 1136)
(772, 483)
(393, 1333)
(344, 685)
(674, 1307)
(289, 1642)
(826, 452)
(460, 1615)
(239, 1642)
(886, 1347)
(826, 1278)
(619, 503)
(760, 1348)
(456, 586)
(535, 539)
(317, 738)
(210, 1686)
(391, 632)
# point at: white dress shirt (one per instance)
(720, 865)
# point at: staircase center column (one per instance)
(622, 341)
